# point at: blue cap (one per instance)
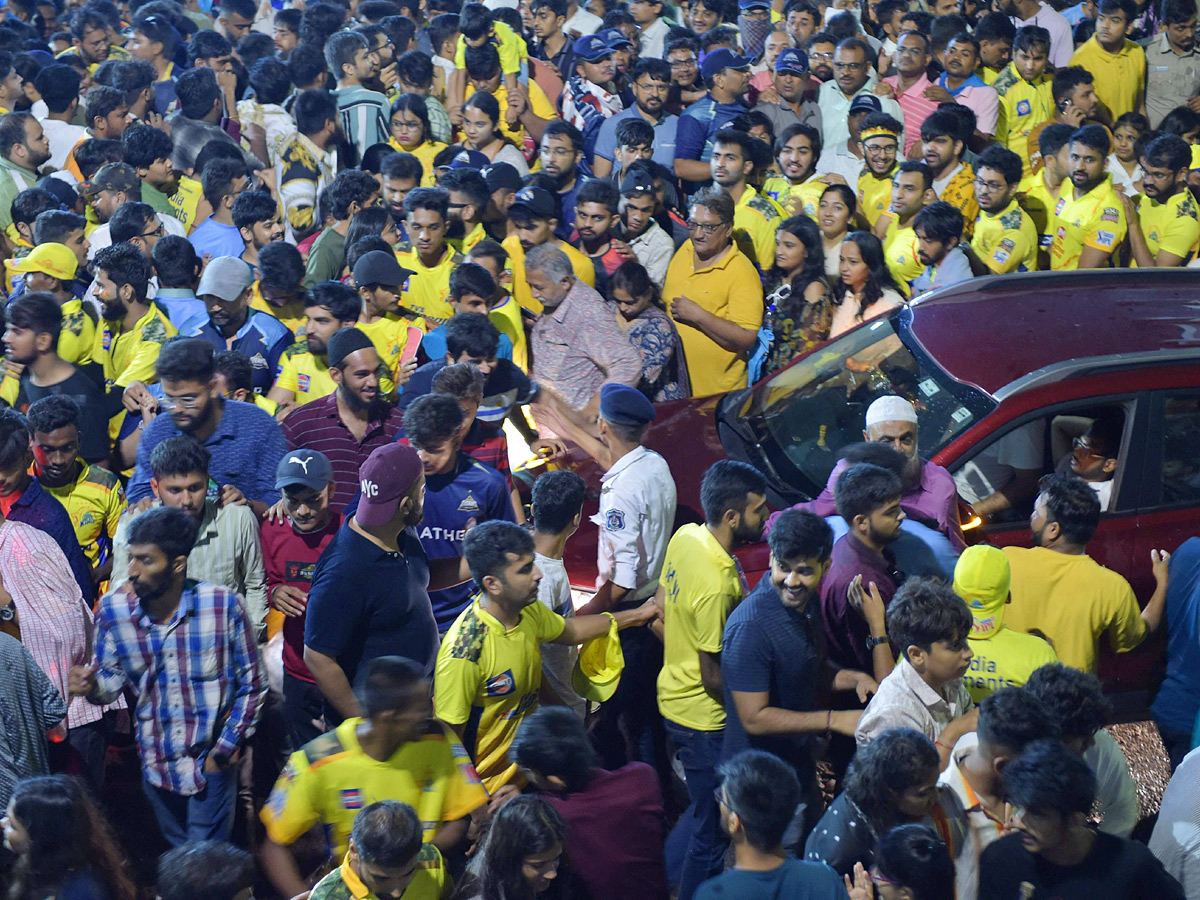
(469, 159)
(615, 38)
(623, 405)
(591, 48)
(722, 58)
(309, 468)
(754, 4)
(792, 60)
(868, 103)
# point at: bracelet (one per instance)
(945, 746)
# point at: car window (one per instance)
(1181, 450)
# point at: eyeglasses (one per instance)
(989, 185)
(704, 227)
(828, 55)
(179, 402)
(1082, 447)
(683, 63)
(157, 232)
(850, 67)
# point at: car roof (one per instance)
(994, 331)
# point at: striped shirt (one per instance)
(915, 105)
(365, 117)
(227, 552)
(198, 676)
(29, 707)
(317, 426)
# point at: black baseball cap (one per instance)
(380, 267)
(536, 202)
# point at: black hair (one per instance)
(415, 104)
(188, 359)
(557, 500)
(726, 486)
(125, 265)
(197, 90)
(657, 69)
(763, 791)
(488, 546)
(404, 166)
(280, 265)
(1072, 504)
(12, 130)
(387, 834)
(170, 529)
(289, 19)
(880, 277)
(944, 29)
(175, 262)
(207, 45)
(475, 21)
(842, 26)
(59, 87)
(939, 124)
(472, 334)
(635, 132)
(251, 49)
(813, 135)
(132, 76)
(428, 198)
(367, 222)
(924, 611)
(1180, 121)
(319, 23)
(849, 197)
(1128, 7)
(31, 203)
(469, 182)
(471, 278)
(800, 534)
(253, 206)
(93, 153)
(339, 298)
(431, 420)
(1176, 12)
(214, 150)
(205, 870)
(940, 222)
(350, 186)
(440, 28)
(236, 369)
(462, 381)
(886, 10)
(144, 144)
(305, 64)
(922, 22)
(914, 857)
(897, 760)
(1168, 151)
(1134, 120)
(1053, 138)
(373, 157)
(364, 245)
(39, 312)
(1073, 699)
(387, 684)
(129, 220)
(1094, 137)
(179, 455)
(218, 178)
(54, 224)
(862, 489)
(270, 79)
(489, 249)
(686, 41)
(53, 412)
(1048, 777)
(599, 190)
(1012, 718)
(375, 11)
(87, 17)
(553, 741)
(1030, 36)
(313, 109)
(558, 7)
(559, 128)
(14, 438)
(1002, 160)
(921, 168)
(632, 278)
(526, 826)
(1067, 79)
(415, 68)
(244, 8)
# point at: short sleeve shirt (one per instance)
(303, 374)
(900, 246)
(1172, 226)
(428, 289)
(94, 501)
(1095, 220)
(1006, 241)
(1120, 77)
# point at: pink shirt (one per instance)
(916, 106)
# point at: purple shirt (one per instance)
(846, 630)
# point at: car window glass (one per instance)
(1181, 450)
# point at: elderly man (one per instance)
(791, 84)
(576, 345)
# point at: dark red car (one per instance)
(999, 368)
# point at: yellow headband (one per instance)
(878, 131)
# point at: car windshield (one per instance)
(806, 413)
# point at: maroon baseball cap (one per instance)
(387, 475)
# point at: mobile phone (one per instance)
(1063, 104)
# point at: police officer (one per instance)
(636, 520)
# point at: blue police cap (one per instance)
(623, 405)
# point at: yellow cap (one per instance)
(597, 672)
(56, 260)
(981, 578)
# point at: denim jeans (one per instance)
(696, 847)
(207, 816)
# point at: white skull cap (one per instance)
(890, 408)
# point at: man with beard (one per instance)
(1089, 219)
(912, 191)
(637, 226)
(1061, 593)
(880, 137)
(200, 688)
(364, 113)
(1172, 76)
(226, 550)
(256, 217)
(401, 173)
(244, 441)
(1005, 238)
(427, 257)
(562, 151)
(943, 140)
(939, 228)
(1075, 103)
(347, 424)
(851, 77)
(909, 84)
(304, 369)
(1163, 226)
(23, 150)
(534, 215)
(650, 82)
(392, 327)
(1095, 453)
(754, 217)
(790, 78)
(469, 196)
(225, 287)
(595, 218)
(959, 83)
(587, 99)
(352, 190)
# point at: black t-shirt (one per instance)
(1115, 869)
(93, 418)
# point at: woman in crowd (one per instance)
(641, 315)
(834, 215)
(64, 847)
(481, 131)
(520, 856)
(411, 133)
(866, 288)
(798, 307)
(373, 220)
(911, 862)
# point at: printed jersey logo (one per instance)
(614, 520)
(302, 383)
(352, 798)
(469, 504)
(500, 685)
(1023, 108)
(299, 571)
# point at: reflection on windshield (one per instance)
(810, 411)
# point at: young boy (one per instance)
(443, 35)
(930, 624)
(472, 290)
(635, 141)
(1117, 63)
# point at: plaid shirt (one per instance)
(199, 678)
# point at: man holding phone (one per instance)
(1075, 104)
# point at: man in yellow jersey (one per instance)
(797, 150)
(472, 290)
(398, 751)
(387, 861)
(489, 668)
(755, 217)
(483, 71)
(379, 280)
(880, 136)
(280, 286)
(1089, 220)
(1163, 226)
(304, 368)
(701, 583)
(535, 214)
(1117, 63)
(469, 197)
(478, 27)
(1005, 239)
(52, 268)
(944, 139)
(131, 330)
(1040, 191)
(427, 255)
(1025, 94)
(912, 191)
(996, 34)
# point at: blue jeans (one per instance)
(206, 816)
(696, 847)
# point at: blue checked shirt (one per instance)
(199, 679)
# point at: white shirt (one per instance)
(835, 109)
(654, 39)
(582, 23)
(939, 184)
(558, 661)
(1176, 837)
(62, 137)
(1062, 39)
(995, 467)
(904, 700)
(838, 160)
(654, 250)
(1121, 178)
(636, 519)
(1103, 491)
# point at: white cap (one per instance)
(890, 408)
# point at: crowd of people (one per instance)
(284, 281)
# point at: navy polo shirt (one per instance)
(262, 340)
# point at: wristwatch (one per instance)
(873, 642)
(7, 613)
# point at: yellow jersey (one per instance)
(1023, 105)
(487, 679)
(303, 374)
(538, 102)
(430, 881)
(585, 271)
(292, 314)
(959, 192)
(506, 316)
(1120, 77)
(1007, 241)
(900, 247)
(397, 342)
(129, 356)
(1095, 220)
(875, 194)
(1039, 201)
(78, 335)
(1172, 226)
(755, 219)
(330, 779)
(702, 584)
(1004, 658)
(427, 292)
(94, 502)
(426, 153)
(510, 47)
(796, 199)
(185, 202)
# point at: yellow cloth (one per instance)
(1023, 105)
(330, 779)
(506, 316)
(426, 153)
(585, 271)
(702, 585)
(960, 193)
(988, 74)
(1006, 659)
(511, 48)
(1039, 202)
(94, 501)
(539, 105)
(1120, 77)
(397, 342)
(730, 288)
(874, 194)
(466, 244)
(427, 292)
(489, 676)
(1171, 226)
(78, 335)
(1072, 600)
(292, 315)
(185, 201)
(807, 195)
(755, 219)
(1007, 241)
(303, 374)
(431, 881)
(129, 356)
(1095, 220)
(900, 247)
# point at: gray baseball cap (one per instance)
(225, 277)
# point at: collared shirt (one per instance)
(917, 107)
(199, 679)
(13, 180)
(1120, 77)
(840, 160)
(1172, 225)
(245, 449)
(318, 426)
(664, 136)
(38, 508)
(835, 110)
(654, 249)
(635, 517)
(1062, 42)
(905, 700)
(305, 375)
(302, 170)
(982, 827)
(1006, 241)
(180, 305)
(845, 629)
(783, 116)
(1096, 220)
(755, 219)
(1023, 105)
(427, 291)
(94, 500)
(1171, 78)
(364, 116)
(578, 346)
(584, 270)
(699, 123)
(129, 356)
(981, 99)
(431, 881)
(262, 340)
(227, 552)
(30, 705)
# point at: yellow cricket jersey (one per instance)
(900, 247)
(292, 314)
(702, 585)
(1172, 226)
(511, 48)
(506, 316)
(487, 679)
(129, 356)
(1005, 658)
(303, 374)
(426, 153)
(1039, 201)
(1007, 241)
(397, 342)
(94, 501)
(1120, 77)
(585, 271)
(78, 335)
(755, 219)
(805, 196)
(875, 194)
(1023, 105)
(427, 292)
(988, 74)
(467, 244)
(330, 779)
(960, 193)
(1096, 219)
(430, 881)
(186, 201)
